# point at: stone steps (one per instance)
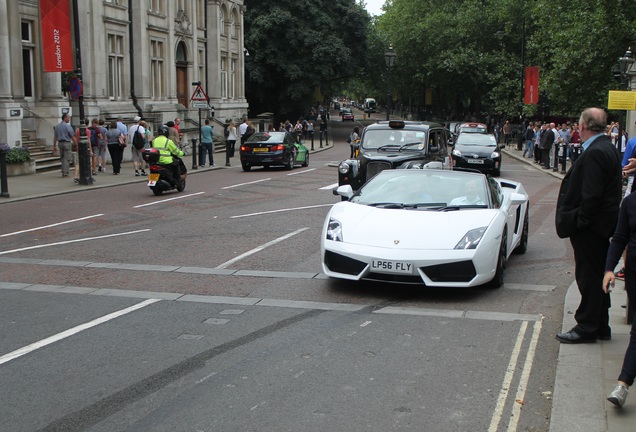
(44, 157)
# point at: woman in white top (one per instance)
(231, 137)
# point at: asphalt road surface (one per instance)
(207, 310)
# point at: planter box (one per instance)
(20, 169)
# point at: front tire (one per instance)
(498, 280)
(181, 185)
(306, 163)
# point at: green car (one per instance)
(273, 149)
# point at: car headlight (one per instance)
(334, 230)
(471, 239)
(344, 167)
(494, 155)
(457, 153)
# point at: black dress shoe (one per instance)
(572, 337)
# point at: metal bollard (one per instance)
(84, 156)
(3, 173)
(194, 153)
(312, 140)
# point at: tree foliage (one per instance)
(448, 47)
(451, 48)
(298, 46)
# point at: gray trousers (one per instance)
(65, 155)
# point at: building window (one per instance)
(223, 80)
(201, 67)
(117, 2)
(27, 58)
(223, 23)
(157, 71)
(115, 65)
(156, 6)
(236, 28)
(232, 79)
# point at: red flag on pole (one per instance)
(57, 48)
(531, 95)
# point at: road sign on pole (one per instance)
(199, 94)
(199, 104)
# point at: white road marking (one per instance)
(70, 332)
(244, 184)
(505, 386)
(71, 241)
(366, 323)
(52, 225)
(260, 248)
(331, 186)
(280, 210)
(525, 377)
(169, 199)
(301, 172)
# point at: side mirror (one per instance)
(344, 190)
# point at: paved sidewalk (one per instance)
(51, 182)
(587, 373)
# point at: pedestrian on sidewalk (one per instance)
(507, 131)
(137, 156)
(116, 143)
(231, 138)
(624, 238)
(529, 138)
(64, 138)
(587, 212)
(206, 144)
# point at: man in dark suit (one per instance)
(587, 212)
(547, 138)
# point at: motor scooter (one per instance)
(161, 177)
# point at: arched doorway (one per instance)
(182, 75)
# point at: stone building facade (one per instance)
(138, 57)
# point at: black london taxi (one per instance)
(396, 144)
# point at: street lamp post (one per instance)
(624, 65)
(389, 59)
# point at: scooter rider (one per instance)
(170, 154)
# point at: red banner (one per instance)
(57, 48)
(531, 94)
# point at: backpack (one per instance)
(226, 132)
(138, 140)
(94, 137)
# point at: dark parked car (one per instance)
(273, 148)
(478, 151)
(396, 144)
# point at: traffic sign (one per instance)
(199, 104)
(199, 94)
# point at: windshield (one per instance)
(376, 138)
(424, 189)
(481, 140)
(273, 137)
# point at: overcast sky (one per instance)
(374, 7)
